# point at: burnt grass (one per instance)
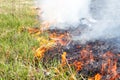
(100, 50)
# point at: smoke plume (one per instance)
(63, 13)
(108, 22)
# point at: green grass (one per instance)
(16, 54)
(17, 46)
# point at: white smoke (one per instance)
(106, 12)
(108, 26)
(64, 11)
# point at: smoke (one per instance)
(108, 22)
(63, 13)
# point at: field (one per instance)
(29, 50)
(17, 45)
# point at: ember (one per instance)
(40, 52)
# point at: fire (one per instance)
(62, 39)
(45, 45)
(98, 77)
(44, 42)
(106, 61)
(33, 30)
(85, 54)
(110, 65)
(78, 65)
(40, 52)
(114, 71)
(63, 60)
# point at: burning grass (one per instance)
(55, 56)
(98, 60)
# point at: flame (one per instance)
(78, 65)
(63, 60)
(40, 52)
(45, 44)
(112, 69)
(34, 31)
(98, 77)
(108, 66)
(91, 78)
(62, 39)
(86, 55)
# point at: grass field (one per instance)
(17, 47)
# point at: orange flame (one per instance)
(78, 65)
(91, 78)
(113, 70)
(98, 77)
(111, 65)
(86, 54)
(40, 52)
(34, 30)
(63, 60)
(63, 38)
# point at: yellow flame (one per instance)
(63, 56)
(40, 52)
(98, 77)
